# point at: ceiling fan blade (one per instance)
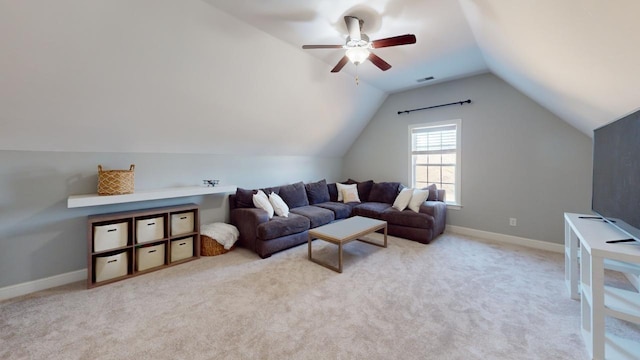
(322, 46)
(353, 26)
(394, 41)
(377, 61)
(340, 64)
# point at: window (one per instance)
(435, 157)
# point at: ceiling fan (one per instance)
(358, 46)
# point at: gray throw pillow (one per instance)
(433, 192)
(317, 192)
(244, 198)
(384, 192)
(294, 195)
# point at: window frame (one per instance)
(454, 203)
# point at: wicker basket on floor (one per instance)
(210, 247)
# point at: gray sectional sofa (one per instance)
(315, 204)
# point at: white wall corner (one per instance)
(42, 284)
(505, 239)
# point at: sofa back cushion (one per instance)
(244, 198)
(364, 188)
(317, 192)
(384, 192)
(294, 195)
(433, 192)
(333, 192)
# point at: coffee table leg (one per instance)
(385, 235)
(309, 247)
(340, 257)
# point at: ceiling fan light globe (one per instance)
(357, 55)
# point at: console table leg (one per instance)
(597, 307)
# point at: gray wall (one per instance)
(518, 159)
(40, 237)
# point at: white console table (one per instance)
(587, 254)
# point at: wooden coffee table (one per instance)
(345, 231)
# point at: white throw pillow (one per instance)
(417, 198)
(350, 195)
(345, 186)
(260, 200)
(402, 200)
(279, 206)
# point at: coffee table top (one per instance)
(347, 229)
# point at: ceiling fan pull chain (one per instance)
(357, 79)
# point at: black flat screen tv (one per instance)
(616, 174)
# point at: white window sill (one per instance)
(454, 206)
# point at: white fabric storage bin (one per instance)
(149, 229)
(110, 236)
(149, 257)
(113, 266)
(181, 249)
(182, 223)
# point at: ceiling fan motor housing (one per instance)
(362, 42)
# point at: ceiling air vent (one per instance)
(425, 79)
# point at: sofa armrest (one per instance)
(438, 210)
(247, 221)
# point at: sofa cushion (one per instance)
(341, 187)
(294, 195)
(340, 210)
(261, 201)
(370, 209)
(274, 189)
(402, 200)
(333, 192)
(350, 195)
(433, 192)
(407, 218)
(418, 198)
(244, 198)
(333, 189)
(316, 215)
(317, 192)
(364, 189)
(282, 226)
(279, 206)
(384, 192)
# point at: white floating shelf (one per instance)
(75, 201)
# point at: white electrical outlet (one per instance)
(513, 221)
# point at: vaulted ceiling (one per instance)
(231, 77)
(576, 58)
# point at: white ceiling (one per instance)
(231, 77)
(576, 58)
(312, 22)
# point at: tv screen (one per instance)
(616, 173)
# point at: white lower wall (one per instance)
(40, 238)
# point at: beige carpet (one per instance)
(456, 298)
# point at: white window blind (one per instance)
(435, 156)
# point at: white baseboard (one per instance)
(42, 284)
(506, 239)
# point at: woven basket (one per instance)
(115, 182)
(210, 247)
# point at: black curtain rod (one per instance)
(468, 101)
